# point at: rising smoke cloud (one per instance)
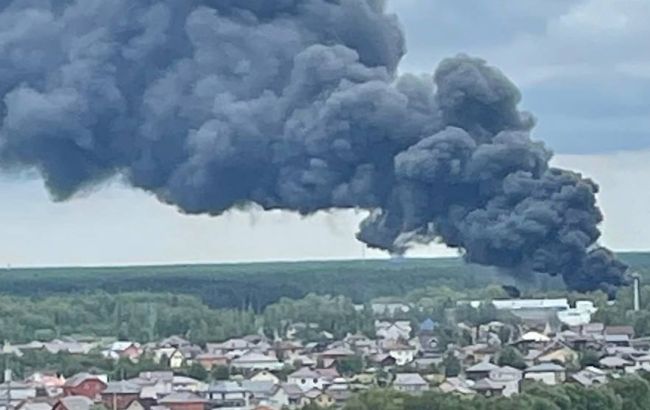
(292, 105)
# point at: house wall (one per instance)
(118, 401)
(547, 378)
(186, 406)
(308, 384)
(402, 357)
(176, 360)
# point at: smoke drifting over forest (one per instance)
(292, 105)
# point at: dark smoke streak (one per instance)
(294, 105)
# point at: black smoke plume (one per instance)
(293, 105)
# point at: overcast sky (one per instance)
(584, 70)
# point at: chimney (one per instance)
(637, 296)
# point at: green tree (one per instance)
(220, 373)
(509, 356)
(452, 365)
(350, 365)
(196, 371)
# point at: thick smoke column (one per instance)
(294, 105)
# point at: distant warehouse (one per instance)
(541, 310)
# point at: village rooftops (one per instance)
(482, 367)
(535, 337)
(544, 368)
(487, 385)
(409, 379)
(182, 397)
(79, 378)
(76, 402)
(122, 387)
(304, 373)
(226, 387)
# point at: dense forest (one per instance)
(256, 285)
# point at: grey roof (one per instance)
(182, 397)
(614, 361)
(482, 367)
(409, 379)
(545, 367)
(122, 387)
(259, 387)
(487, 384)
(293, 390)
(226, 387)
(305, 373)
(36, 406)
(77, 402)
(79, 378)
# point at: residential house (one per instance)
(400, 329)
(73, 403)
(339, 390)
(401, 352)
(427, 327)
(410, 383)
(480, 370)
(33, 405)
(174, 341)
(317, 397)
(615, 363)
(457, 385)
(256, 361)
(592, 329)
(183, 401)
(294, 394)
(507, 377)
(84, 384)
(124, 349)
(265, 376)
(211, 360)
(307, 379)
(119, 395)
(265, 392)
(617, 340)
(187, 384)
(558, 353)
(589, 376)
(330, 356)
(173, 357)
(154, 384)
(620, 330)
(488, 388)
(382, 360)
(548, 373)
(228, 394)
(12, 393)
(231, 348)
(138, 404)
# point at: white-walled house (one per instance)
(307, 379)
(548, 373)
(410, 383)
(256, 361)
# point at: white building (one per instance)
(307, 379)
(548, 373)
(410, 383)
(256, 361)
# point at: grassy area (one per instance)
(258, 284)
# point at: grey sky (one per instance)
(584, 70)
